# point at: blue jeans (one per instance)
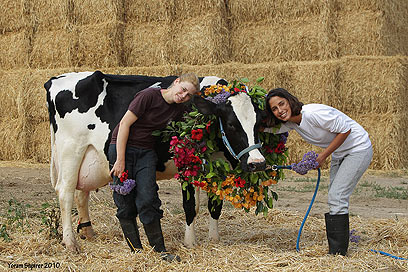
(344, 175)
(144, 199)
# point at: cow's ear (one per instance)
(204, 106)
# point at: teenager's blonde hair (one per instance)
(192, 78)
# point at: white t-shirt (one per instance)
(321, 123)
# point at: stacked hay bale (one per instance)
(350, 54)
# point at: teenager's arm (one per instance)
(337, 141)
(123, 134)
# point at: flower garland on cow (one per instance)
(193, 142)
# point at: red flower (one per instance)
(198, 183)
(239, 182)
(207, 127)
(280, 148)
(268, 149)
(197, 134)
(124, 176)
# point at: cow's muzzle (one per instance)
(256, 166)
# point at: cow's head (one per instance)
(240, 120)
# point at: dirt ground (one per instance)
(377, 195)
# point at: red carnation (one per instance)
(197, 134)
(124, 176)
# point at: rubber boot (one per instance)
(131, 232)
(338, 235)
(155, 236)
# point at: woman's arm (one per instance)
(123, 134)
(337, 141)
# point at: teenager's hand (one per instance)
(118, 168)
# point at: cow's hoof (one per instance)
(189, 243)
(215, 239)
(87, 233)
(71, 246)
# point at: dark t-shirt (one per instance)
(153, 113)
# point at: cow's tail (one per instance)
(53, 166)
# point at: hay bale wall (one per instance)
(348, 54)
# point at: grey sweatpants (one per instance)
(344, 175)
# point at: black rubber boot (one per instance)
(338, 233)
(155, 236)
(131, 232)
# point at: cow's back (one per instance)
(84, 108)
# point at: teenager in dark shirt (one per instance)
(132, 150)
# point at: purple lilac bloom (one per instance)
(219, 98)
(283, 137)
(354, 238)
(124, 189)
(307, 163)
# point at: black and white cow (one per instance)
(84, 109)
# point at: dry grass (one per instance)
(99, 45)
(14, 50)
(248, 243)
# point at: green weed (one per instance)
(390, 192)
(4, 234)
(17, 213)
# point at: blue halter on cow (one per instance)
(85, 107)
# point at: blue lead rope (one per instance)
(311, 202)
(388, 254)
(308, 210)
(276, 167)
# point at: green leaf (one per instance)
(227, 166)
(270, 203)
(210, 175)
(184, 186)
(244, 80)
(156, 133)
(254, 178)
(260, 79)
(210, 144)
(265, 211)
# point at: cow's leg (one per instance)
(70, 158)
(66, 199)
(215, 211)
(82, 201)
(190, 212)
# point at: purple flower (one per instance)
(125, 188)
(283, 137)
(307, 163)
(219, 98)
(354, 238)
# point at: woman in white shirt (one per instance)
(339, 136)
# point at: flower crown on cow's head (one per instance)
(193, 141)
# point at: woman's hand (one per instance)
(321, 158)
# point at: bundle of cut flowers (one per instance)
(122, 185)
(193, 141)
(307, 163)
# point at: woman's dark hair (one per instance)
(294, 103)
